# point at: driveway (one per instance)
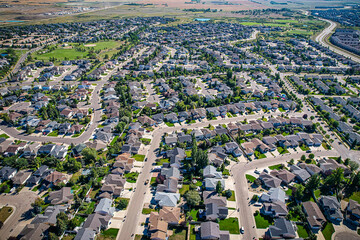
(346, 235)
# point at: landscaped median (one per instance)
(5, 213)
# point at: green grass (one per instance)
(145, 141)
(277, 167)
(4, 136)
(250, 178)
(111, 232)
(259, 155)
(78, 134)
(304, 147)
(184, 189)
(131, 177)
(5, 212)
(179, 233)
(229, 115)
(192, 233)
(317, 193)
(230, 224)
(261, 221)
(289, 192)
(188, 153)
(161, 161)
(153, 181)
(54, 133)
(169, 124)
(282, 150)
(355, 196)
(328, 231)
(139, 157)
(193, 214)
(302, 231)
(232, 198)
(114, 140)
(326, 146)
(281, 109)
(299, 32)
(146, 211)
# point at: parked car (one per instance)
(242, 230)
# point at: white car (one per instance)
(242, 230)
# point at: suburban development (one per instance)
(175, 120)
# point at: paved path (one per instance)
(322, 39)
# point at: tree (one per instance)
(219, 187)
(303, 158)
(37, 205)
(291, 162)
(228, 193)
(311, 156)
(335, 180)
(89, 155)
(123, 204)
(353, 166)
(299, 192)
(192, 198)
(62, 222)
(313, 183)
(224, 138)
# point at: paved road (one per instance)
(137, 201)
(346, 235)
(94, 103)
(241, 187)
(322, 39)
(22, 203)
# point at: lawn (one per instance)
(250, 178)
(259, 155)
(5, 212)
(146, 211)
(289, 192)
(328, 231)
(275, 167)
(184, 189)
(230, 224)
(304, 147)
(317, 193)
(117, 201)
(111, 233)
(282, 150)
(54, 133)
(145, 141)
(302, 231)
(192, 233)
(153, 181)
(169, 124)
(194, 213)
(179, 233)
(114, 140)
(161, 161)
(232, 198)
(139, 157)
(326, 146)
(4, 136)
(355, 196)
(261, 221)
(131, 177)
(78, 134)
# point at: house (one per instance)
(55, 178)
(170, 185)
(62, 196)
(85, 234)
(210, 183)
(97, 222)
(21, 177)
(7, 173)
(284, 175)
(46, 149)
(157, 228)
(59, 151)
(213, 197)
(34, 231)
(114, 184)
(31, 150)
(274, 209)
(104, 207)
(145, 120)
(352, 212)
(332, 208)
(301, 174)
(270, 181)
(78, 149)
(211, 231)
(210, 172)
(164, 199)
(274, 194)
(39, 174)
(49, 216)
(315, 217)
(282, 229)
(213, 212)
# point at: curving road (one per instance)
(322, 39)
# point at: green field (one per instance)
(299, 32)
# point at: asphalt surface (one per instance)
(22, 203)
(321, 38)
(346, 236)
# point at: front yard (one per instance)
(328, 231)
(139, 157)
(131, 177)
(262, 221)
(230, 224)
